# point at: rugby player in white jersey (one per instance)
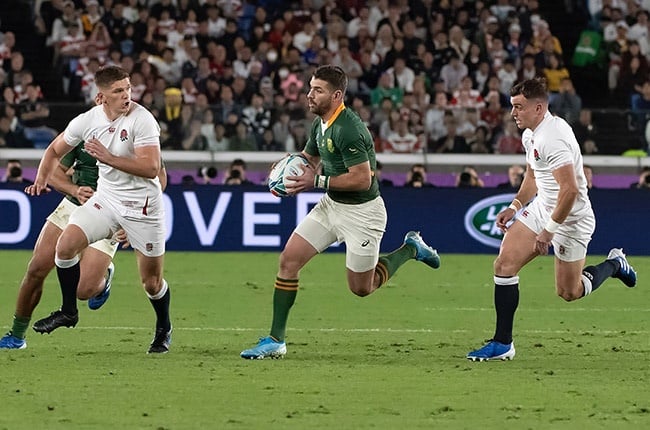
(556, 212)
(124, 137)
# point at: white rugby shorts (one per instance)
(360, 226)
(61, 216)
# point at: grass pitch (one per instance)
(392, 360)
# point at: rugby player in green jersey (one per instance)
(341, 148)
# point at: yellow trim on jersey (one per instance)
(335, 115)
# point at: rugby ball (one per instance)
(291, 165)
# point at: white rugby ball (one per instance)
(291, 165)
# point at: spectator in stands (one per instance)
(458, 42)
(640, 107)
(237, 172)
(167, 66)
(268, 142)
(644, 179)
(298, 136)
(465, 96)
(416, 177)
(585, 129)
(451, 142)
(515, 44)
(221, 141)
(402, 140)
(567, 104)
(640, 31)
(115, 22)
(257, 117)
(453, 73)
(243, 140)
(615, 50)
(34, 113)
(11, 133)
(468, 178)
(494, 86)
(88, 87)
(402, 75)
(14, 173)
(554, 73)
(634, 71)
(101, 40)
(479, 142)
(6, 48)
(507, 75)
(386, 89)
(171, 123)
(474, 58)
(188, 90)
(351, 67)
(60, 27)
(515, 176)
(193, 139)
(509, 140)
(528, 69)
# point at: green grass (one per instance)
(393, 360)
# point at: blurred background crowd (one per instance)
(426, 76)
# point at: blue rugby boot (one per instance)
(98, 301)
(9, 341)
(493, 350)
(424, 252)
(266, 347)
(625, 272)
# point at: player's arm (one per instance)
(62, 182)
(357, 178)
(48, 165)
(528, 187)
(145, 163)
(162, 175)
(566, 198)
(527, 191)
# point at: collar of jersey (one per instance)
(335, 115)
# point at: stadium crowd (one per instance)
(425, 76)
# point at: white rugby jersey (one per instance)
(550, 146)
(135, 129)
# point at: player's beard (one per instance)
(322, 108)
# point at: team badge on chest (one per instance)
(124, 135)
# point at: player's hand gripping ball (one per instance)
(290, 165)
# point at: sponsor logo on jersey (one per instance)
(365, 243)
(111, 129)
(480, 219)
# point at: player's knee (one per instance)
(36, 273)
(152, 285)
(289, 265)
(503, 267)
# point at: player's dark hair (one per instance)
(534, 88)
(106, 76)
(333, 75)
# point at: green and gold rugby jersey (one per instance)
(85, 169)
(346, 142)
